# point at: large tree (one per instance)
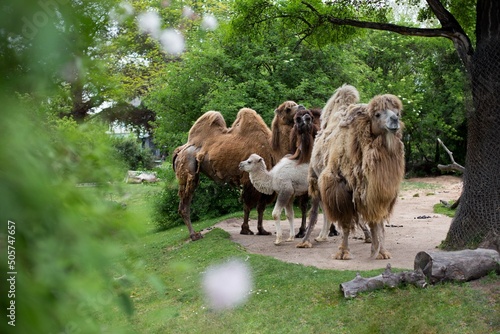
(477, 222)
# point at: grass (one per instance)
(164, 275)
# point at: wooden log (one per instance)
(458, 266)
(387, 279)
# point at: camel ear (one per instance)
(261, 159)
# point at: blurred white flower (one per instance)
(172, 41)
(188, 12)
(150, 23)
(209, 22)
(121, 12)
(227, 285)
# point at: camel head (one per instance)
(385, 113)
(304, 120)
(253, 162)
(285, 112)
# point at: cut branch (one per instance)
(454, 166)
(387, 279)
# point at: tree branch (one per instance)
(451, 29)
(453, 166)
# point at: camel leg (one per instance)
(366, 231)
(289, 216)
(245, 228)
(188, 178)
(378, 237)
(343, 253)
(261, 206)
(277, 220)
(282, 201)
(313, 218)
(303, 208)
(324, 230)
(333, 231)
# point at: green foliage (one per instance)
(65, 239)
(210, 200)
(134, 156)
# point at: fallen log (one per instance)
(457, 266)
(430, 267)
(387, 279)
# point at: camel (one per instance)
(288, 179)
(215, 150)
(364, 168)
(331, 115)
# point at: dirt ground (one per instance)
(413, 227)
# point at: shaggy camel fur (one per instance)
(332, 114)
(215, 150)
(364, 170)
(288, 178)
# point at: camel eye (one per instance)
(377, 115)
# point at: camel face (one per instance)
(303, 120)
(286, 112)
(385, 121)
(252, 162)
(385, 111)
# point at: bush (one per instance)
(134, 156)
(66, 238)
(210, 200)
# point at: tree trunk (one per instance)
(459, 266)
(477, 222)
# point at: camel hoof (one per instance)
(301, 234)
(305, 244)
(277, 243)
(342, 255)
(383, 255)
(368, 240)
(263, 232)
(246, 232)
(196, 236)
(321, 239)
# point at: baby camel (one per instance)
(288, 179)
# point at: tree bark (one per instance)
(459, 266)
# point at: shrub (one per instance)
(134, 156)
(66, 238)
(210, 200)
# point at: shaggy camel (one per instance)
(364, 169)
(288, 178)
(331, 115)
(302, 139)
(215, 150)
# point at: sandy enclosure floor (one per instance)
(404, 238)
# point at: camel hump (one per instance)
(249, 122)
(205, 126)
(343, 97)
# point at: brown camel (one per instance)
(215, 150)
(364, 170)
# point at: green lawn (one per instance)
(163, 272)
